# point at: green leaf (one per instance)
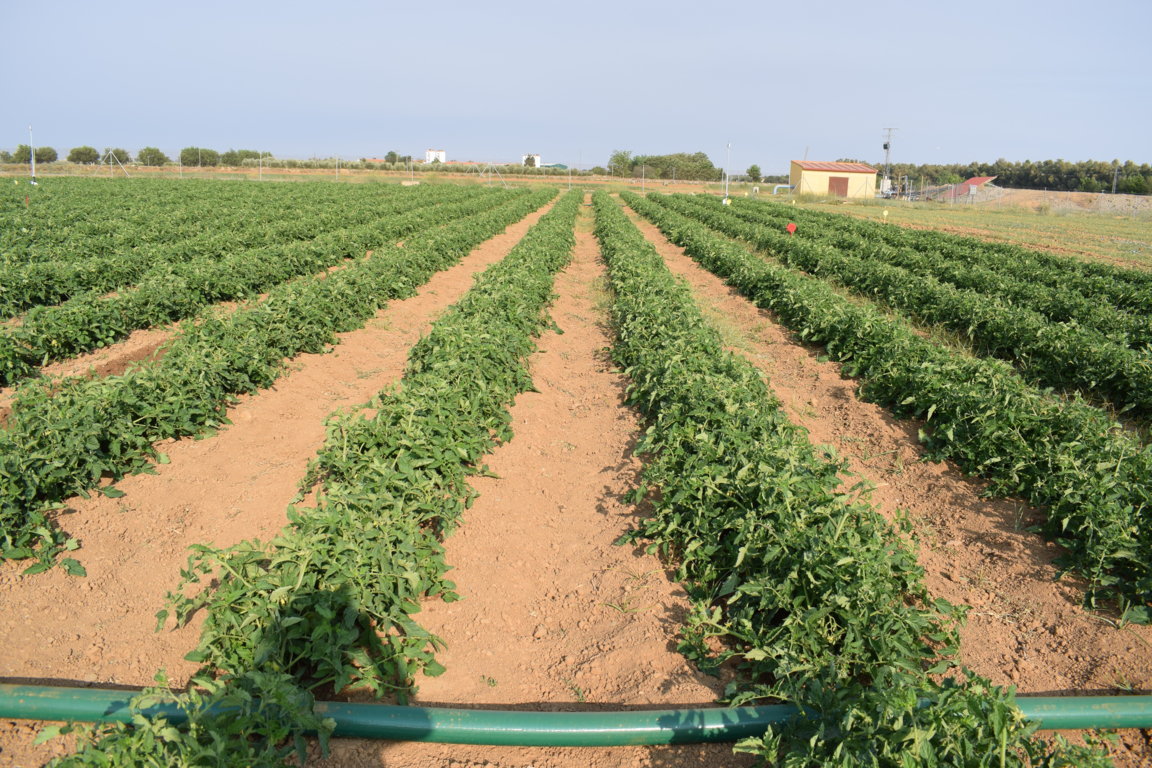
(51, 732)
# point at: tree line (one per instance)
(85, 155)
(680, 165)
(1060, 175)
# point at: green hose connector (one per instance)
(557, 729)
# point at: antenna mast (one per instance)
(886, 183)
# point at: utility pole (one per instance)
(1115, 173)
(886, 184)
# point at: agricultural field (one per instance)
(1087, 226)
(265, 445)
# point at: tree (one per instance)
(46, 155)
(22, 155)
(754, 173)
(620, 163)
(5, 156)
(680, 165)
(236, 157)
(1089, 184)
(199, 156)
(118, 155)
(84, 155)
(151, 156)
(530, 161)
(599, 170)
(392, 157)
(1134, 185)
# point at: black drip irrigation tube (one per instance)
(531, 728)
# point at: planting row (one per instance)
(814, 597)
(1058, 355)
(328, 602)
(278, 220)
(1129, 289)
(1065, 456)
(72, 219)
(1058, 302)
(62, 438)
(175, 291)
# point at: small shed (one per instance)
(840, 179)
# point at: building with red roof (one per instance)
(818, 177)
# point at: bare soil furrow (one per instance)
(232, 486)
(554, 616)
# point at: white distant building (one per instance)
(432, 155)
(524, 160)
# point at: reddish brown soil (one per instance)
(555, 616)
(234, 485)
(1025, 628)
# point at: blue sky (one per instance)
(961, 81)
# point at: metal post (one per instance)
(726, 164)
(32, 154)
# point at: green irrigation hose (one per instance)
(559, 729)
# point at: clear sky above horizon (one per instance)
(970, 81)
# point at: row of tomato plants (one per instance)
(327, 604)
(1088, 473)
(277, 220)
(1129, 289)
(72, 219)
(173, 291)
(814, 598)
(1058, 302)
(1062, 355)
(62, 438)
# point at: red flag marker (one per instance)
(791, 228)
